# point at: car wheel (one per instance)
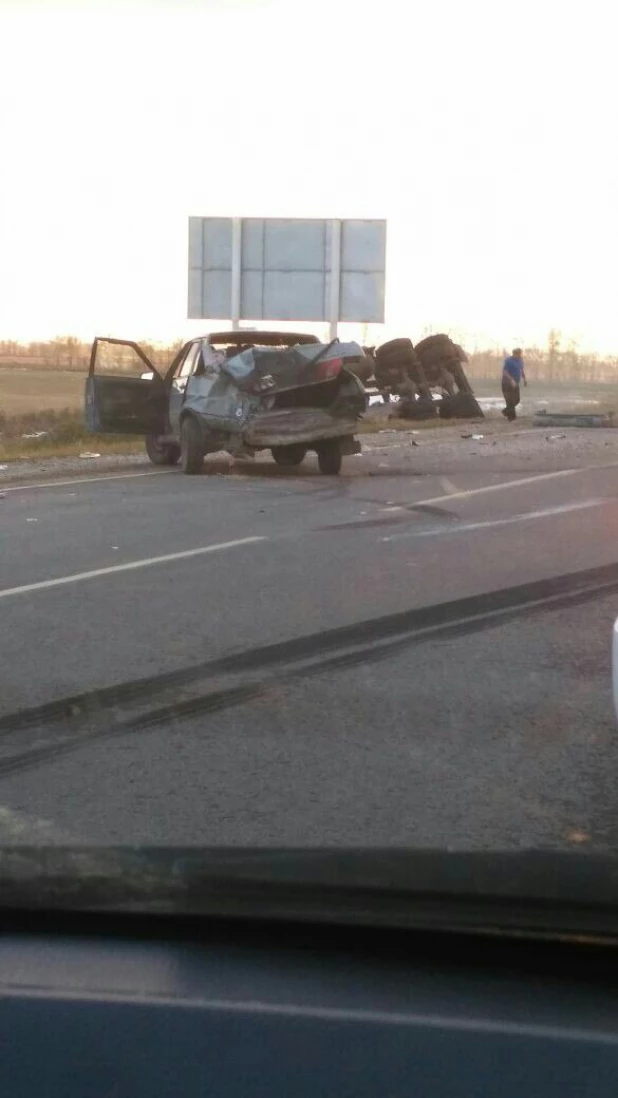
(289, 455)
(162, 453)
(191, 447)
(329, 457)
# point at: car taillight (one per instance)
(331, 367)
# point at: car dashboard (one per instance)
(96, 1006)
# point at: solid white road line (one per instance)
(130, 566)
(465, 493)
(520, 483)
(84, 480)
(466, 527)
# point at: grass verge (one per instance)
(56, 433)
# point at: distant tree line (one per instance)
(69, 353)
(555, 362)
(559, 360)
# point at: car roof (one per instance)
(266, 339)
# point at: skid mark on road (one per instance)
(129, 566)
(58, 728)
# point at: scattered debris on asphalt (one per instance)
(87, 454)
(35, 434)
(476, 438)
(554, 438)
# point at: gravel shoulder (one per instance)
(464, 447)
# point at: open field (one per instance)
(49, 402)
(561, 396)
(23, 390)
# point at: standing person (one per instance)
(513, 373)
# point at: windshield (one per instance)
(241, 609)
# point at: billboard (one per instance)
(286, 269)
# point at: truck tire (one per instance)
(289, 455)
(162, 453)
(439, 352)
(362, 368)
(191, 447)
(422, 408)
(394, 345)
(461, 406)
(397, 358)
(329, 457)
(433, 341)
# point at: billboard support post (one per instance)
(335, 277)
(236, 271)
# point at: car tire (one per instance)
(191, 447)
(289, 455)
(330, 457)
(162, 453)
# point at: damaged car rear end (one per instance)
(232, 393)
(300, 399)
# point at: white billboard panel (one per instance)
(281, 269)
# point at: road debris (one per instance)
(36, 434)
(88, 454)
(477, 438)
(553, 438)
(578, 837)
(544, 418)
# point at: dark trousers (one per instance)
(512, 398)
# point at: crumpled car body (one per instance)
(236, 391)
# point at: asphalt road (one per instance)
(405, 655)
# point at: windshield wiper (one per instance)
(531, 892)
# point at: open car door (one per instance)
(124, 393)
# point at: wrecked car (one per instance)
(237, 391)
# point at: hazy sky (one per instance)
(485, 133)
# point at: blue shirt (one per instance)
(514, 367)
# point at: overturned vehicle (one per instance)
(429, 379)
(237, 391)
